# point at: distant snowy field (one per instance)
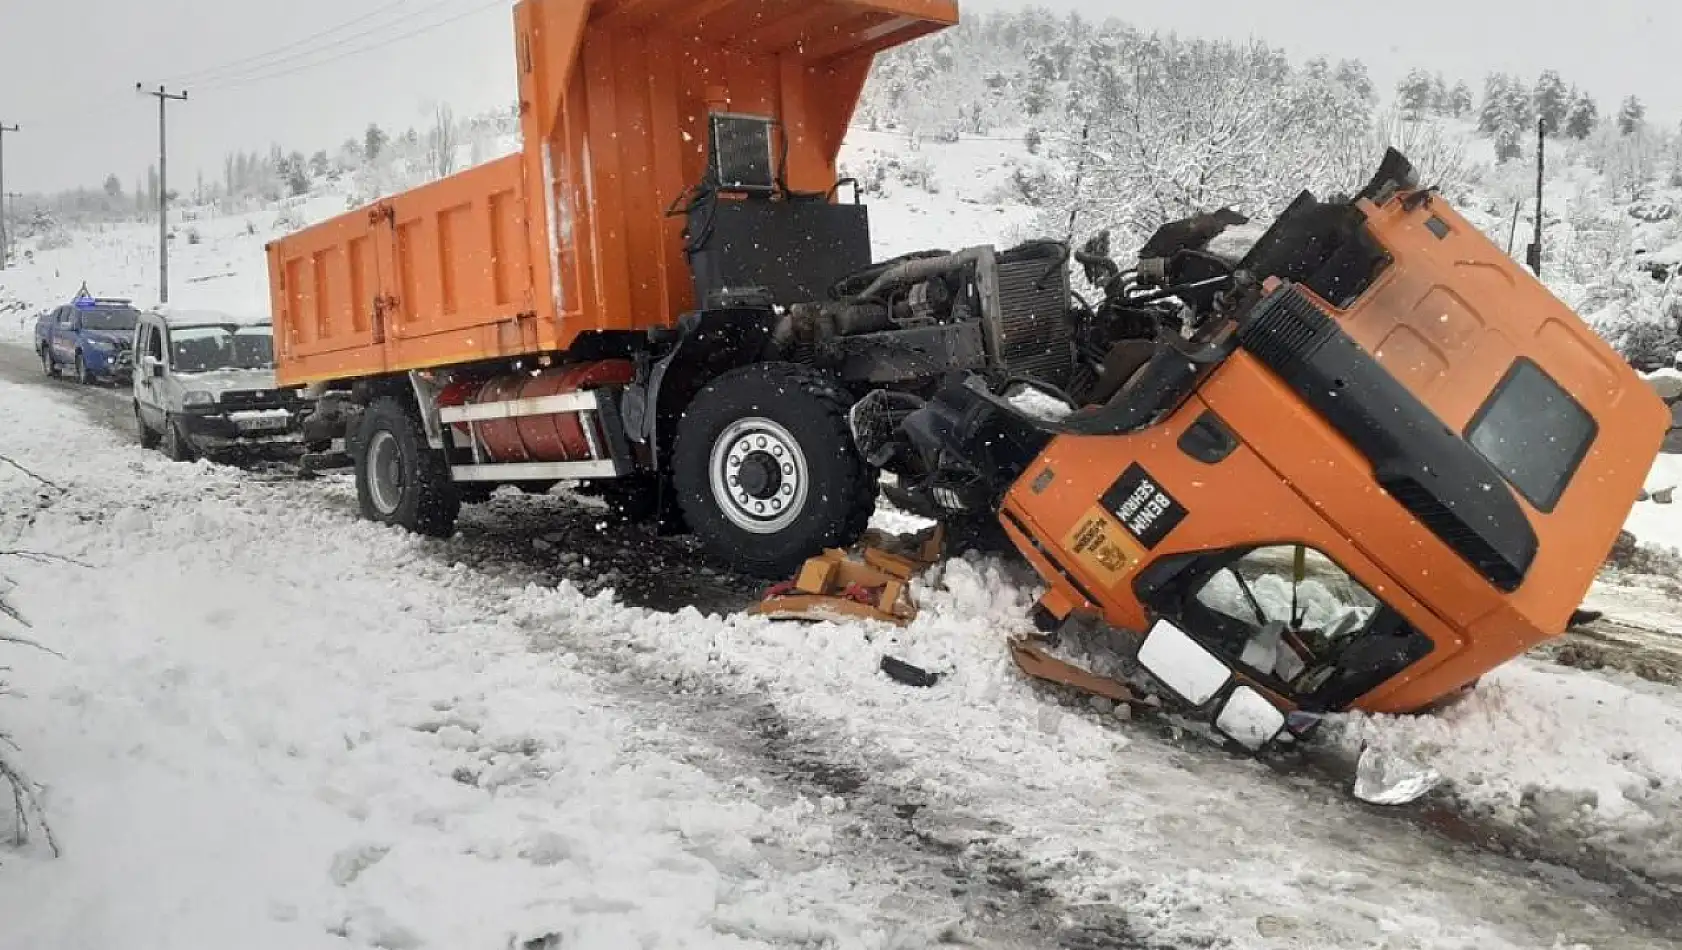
(277, 726)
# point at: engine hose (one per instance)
(914, 271)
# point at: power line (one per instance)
(250, 80)
(247, 60)
(243, 74)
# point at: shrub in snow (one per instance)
(1653, 211)
(1030, 185)
(915, 172)
(918, 173)
(56, 239)
(1647, 344)
(287, 221)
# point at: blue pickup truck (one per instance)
(92, 335)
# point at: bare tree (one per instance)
(27, 811)
(1437, 153)
(1180, 127)
(442, 143)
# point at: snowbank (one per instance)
(277, 723)
(1576, 756)
(274, 727)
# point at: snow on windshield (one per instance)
(1324, 596)
(209, 349)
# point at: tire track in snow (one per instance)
(883, 840)
(744, 734)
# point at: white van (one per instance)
(204, 384)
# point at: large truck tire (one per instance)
(400, 480)
(765, 468)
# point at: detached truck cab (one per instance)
(1383, 461)
(612, 304)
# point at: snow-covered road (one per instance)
(275, 724)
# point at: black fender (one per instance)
(704, 344)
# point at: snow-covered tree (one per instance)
(1492, 115)
(1508, 115)
(1352, 73)
(1631, 115)
(373, 142)
(113, 186)
(1182, 126)
(1552, 101)
(1460, 100)
(1414, 95)
(1439, 95)
(1582, 117)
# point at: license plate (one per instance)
(263, 424)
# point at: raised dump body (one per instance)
(574, 235)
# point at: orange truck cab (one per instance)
(1381, 460)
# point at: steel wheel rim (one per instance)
(759, 476)
(385, 472)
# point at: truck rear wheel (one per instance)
(765, 468)
(48, 366)
(400, 480)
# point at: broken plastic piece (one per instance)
(1041, 665)
(903, 672)
(1384, 777)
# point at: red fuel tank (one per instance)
(558, 437)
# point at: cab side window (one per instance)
(155, 343)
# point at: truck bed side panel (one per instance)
(435, 275)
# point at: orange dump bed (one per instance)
(572, 235)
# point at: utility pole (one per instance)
(1541, 164)
(164, 98)
(5, 246)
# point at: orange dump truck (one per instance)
(612, 305)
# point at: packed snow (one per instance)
(274, 724)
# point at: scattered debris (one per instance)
(874, 585)
(903, 672)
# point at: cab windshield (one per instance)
(109, 319)
(207, 349)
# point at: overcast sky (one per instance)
(68, 67)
